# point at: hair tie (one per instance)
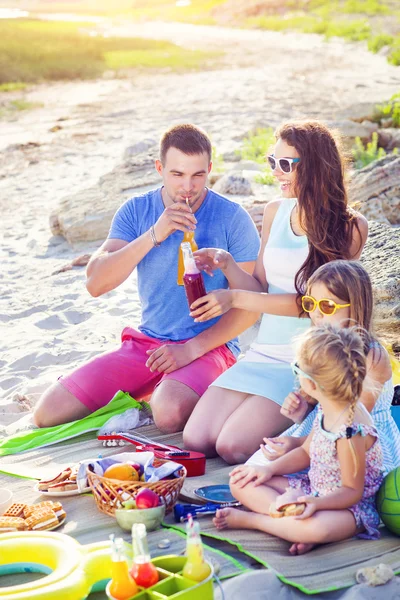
(349, 432)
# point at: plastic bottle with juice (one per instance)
(188, 236)
(192, 278)
(143, 571)
(122, 585)
(196, 568)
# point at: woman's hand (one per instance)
(311, 506)
(212, 305)
(295, 407)
(210, 259)
(244, 474)
(273, 448)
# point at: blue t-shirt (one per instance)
(221, 223)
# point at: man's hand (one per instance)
(295, 407)
(210, 259)
(245, 474)
(177, 217)
(212, 305)
(169, 357)
(279, 446)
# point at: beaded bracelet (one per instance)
(153, 237)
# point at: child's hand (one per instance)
(295, 407)
(273, 448)
(245, 474)
(311, 506)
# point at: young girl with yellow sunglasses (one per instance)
(340, 293)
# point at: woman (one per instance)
(310, 225)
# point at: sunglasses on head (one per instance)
(285, 164)
(325, 306)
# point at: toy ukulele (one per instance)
(194, 462)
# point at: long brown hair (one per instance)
(324, 213)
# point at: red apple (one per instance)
(147, 499)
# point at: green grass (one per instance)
(255, 147)
(389, 110)
(364, 155)
(374, 21)
(10, 108)
(12, 87)
(32, 50)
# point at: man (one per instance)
(171, 356)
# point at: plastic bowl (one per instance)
(151, 517)
(5, 499)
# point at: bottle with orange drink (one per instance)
(122, 585)
(188, 236)
(196, 568)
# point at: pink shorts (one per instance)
(96, 382)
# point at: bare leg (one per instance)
(242, 433)
(208, 418)
(172, 403)
(258, 498)
(323, 527)
(58, 405)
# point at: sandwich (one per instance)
(43, 518)
(12, 524)
(44, 485)
(15, 510)
(286, 505)
(56, 507)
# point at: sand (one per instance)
(49, 323)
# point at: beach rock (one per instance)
(140, 147)
(87, 215)
(351, 129)
(389, 138)
(363, 111)
(376, 189)
(234, 184)
(381, 259)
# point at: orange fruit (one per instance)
(122, 472)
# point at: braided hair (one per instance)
(335, 359)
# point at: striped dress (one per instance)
(265, 369)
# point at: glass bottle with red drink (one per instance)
(192, 278)
(143, 571)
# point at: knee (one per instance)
(228, 449)
(168, 418)
(40, 413)
(197, 438)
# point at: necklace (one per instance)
(340, 415)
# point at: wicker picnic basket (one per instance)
(110, 493)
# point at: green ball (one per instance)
(388, 501)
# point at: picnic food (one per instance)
(15, 510)
(122, 472)
(289, 510)
(12, 524)
(43, 518)
(43, 515)
(146, 498)
(63, 482)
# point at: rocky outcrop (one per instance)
(376, 190)
(233, 183)
(87, 215)
(381, 258)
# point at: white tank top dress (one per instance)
(265, 368)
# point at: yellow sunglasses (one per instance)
(325, 306)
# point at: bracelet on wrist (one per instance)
(153, 237)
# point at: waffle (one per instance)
(15, 510)
(12, 524)
(43, 518)
(56, 507)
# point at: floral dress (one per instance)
(324, 475)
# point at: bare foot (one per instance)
(299, 548)
(229, 518)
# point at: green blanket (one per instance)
(46, 436)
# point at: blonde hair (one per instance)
(335, 359)
(349, 281)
